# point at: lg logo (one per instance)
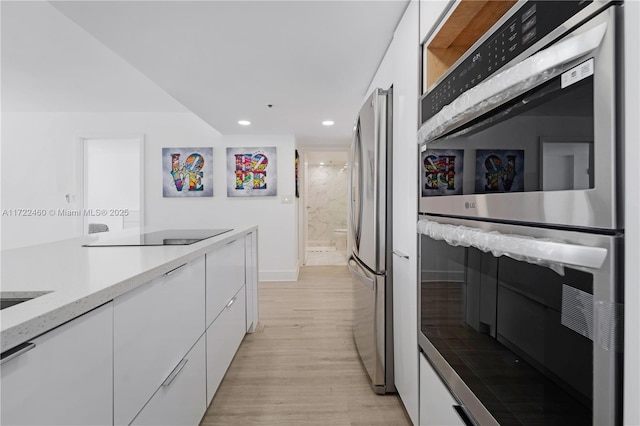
(469, 205)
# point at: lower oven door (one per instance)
(523, 323)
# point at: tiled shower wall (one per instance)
(327, 203)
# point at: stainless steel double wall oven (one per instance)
(522, 231)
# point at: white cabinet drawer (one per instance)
(225, 276)
(66, 378)
(155, 325)
(223, 339)
(181, 399)
(436, 403)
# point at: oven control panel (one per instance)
(530, 23)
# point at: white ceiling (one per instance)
(335, 158)
(49, 64)
(227, 60)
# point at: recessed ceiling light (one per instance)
(244, 122)
(321, 163)
(327, 123)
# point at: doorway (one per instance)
(326, 183)
(113, 176)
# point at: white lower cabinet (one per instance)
(225, 276)
(145, 358)
(223, 339)
(436, 403)
(66, 378)
(155, 326)
(181, 399)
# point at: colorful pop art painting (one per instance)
(187, 172)
(499, 170)
(441, 172)
(251, 172)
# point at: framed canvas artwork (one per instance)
(251, 172)
(187, 172)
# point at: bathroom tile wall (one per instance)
(327, 200)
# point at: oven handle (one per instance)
(537, 251)
(511, 83)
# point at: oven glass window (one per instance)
(541, 141)
(503, 326)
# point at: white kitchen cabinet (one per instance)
(66, 378)
(431, 12)
(436, 403)
(223, 339)
(155, 325)
(181, 399)
(405, 63)
(225, 276)
(251, 278)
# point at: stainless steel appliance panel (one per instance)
(370, 227)
(369, 186)
(519, 343)
(369, 321)
(594, 204)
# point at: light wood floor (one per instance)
(301, 366)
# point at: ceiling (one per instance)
(326, 158)
(228, 60)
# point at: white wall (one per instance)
(39, 167)
(400, 67)
(276, 219)
(45, 148)
(60, 84)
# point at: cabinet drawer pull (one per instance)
(174, 373)
(18, 350)
(174, 270)
(401, 254)
(231, 302)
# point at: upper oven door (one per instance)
(535, 143)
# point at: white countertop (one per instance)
(78, 279)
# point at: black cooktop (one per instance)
(169, 237)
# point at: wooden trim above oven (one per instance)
(466, 24)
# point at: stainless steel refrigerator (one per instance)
(370, 231)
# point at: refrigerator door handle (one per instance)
(356, 210)
(363, 278)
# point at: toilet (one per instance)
(340, 235)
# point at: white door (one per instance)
(113, 176)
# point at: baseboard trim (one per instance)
(289, 275)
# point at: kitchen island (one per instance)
(109, 330)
